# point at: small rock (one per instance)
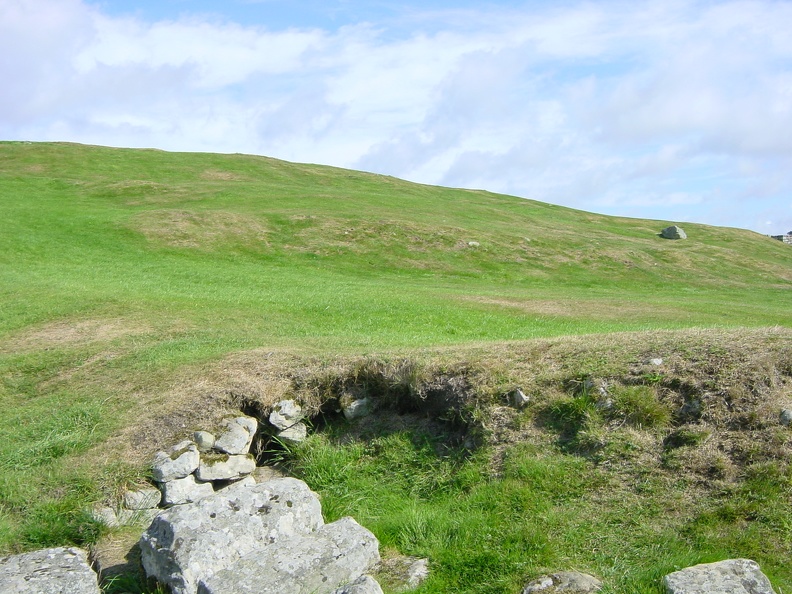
(365, 584)
(185, 490)
(357, 409)
(473, 244)
(417, 572)
(62, 570)
(656, 361)
(181, 460)
(733, 576)
(294, 434)
(785, 418)
(142, 499)
(238, 435)
(285, 414)
(204, 440)
(519, 399)
(224, 467)
(573, 582)
(105, 515)
(404, 572)
(674, 232)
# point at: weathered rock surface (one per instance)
(185, 490)
(142, 499)
(190, 543)
(181, 460)
(572, 582)
(315, 563)
(365, 584)
(50, 571)
(294, 434)
(204, 440)
(285, 414)
(674, 232)
(733, 576)
(238, 435)
(785, 418)
(356, 409)
(519, 399)
(224, 467)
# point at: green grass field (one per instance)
(128, 275)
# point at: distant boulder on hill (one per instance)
(673, 232)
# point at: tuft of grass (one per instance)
(640, 407)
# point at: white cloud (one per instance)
(664, 109)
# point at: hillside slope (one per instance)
(304, 252)
(142, 293)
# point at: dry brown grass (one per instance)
(199, 230)
(73, 333)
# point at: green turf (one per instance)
(120, 268)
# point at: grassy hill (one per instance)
(133, 282)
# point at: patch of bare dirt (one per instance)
(71, 333)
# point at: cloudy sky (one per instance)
(675, 110)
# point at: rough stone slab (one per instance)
(238, 435)
(785, 417)
(225, 467)
(181, 460)
(285, 414)
(62, 570)
(316, 563)
(142, 499)
(733, 576)
(365, 584)
(294, 434)
(191, 542)
(185, 490)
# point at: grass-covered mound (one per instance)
(143, 292)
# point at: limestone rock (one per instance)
(315, 563)
(224, 467)
(181, 460)
(785, 418)
(294, 434)
(573, 582)
(357, 409)
(365, 584)
(519, 398)
(285, 414)
(733, 576)
(142, 499)
(189, 543)
(62, 570)
(204, 440)
(238, 435)
(185, 490)
(674, 232)
(404, 572)
(656, 361)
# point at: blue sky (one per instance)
(676, 110)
